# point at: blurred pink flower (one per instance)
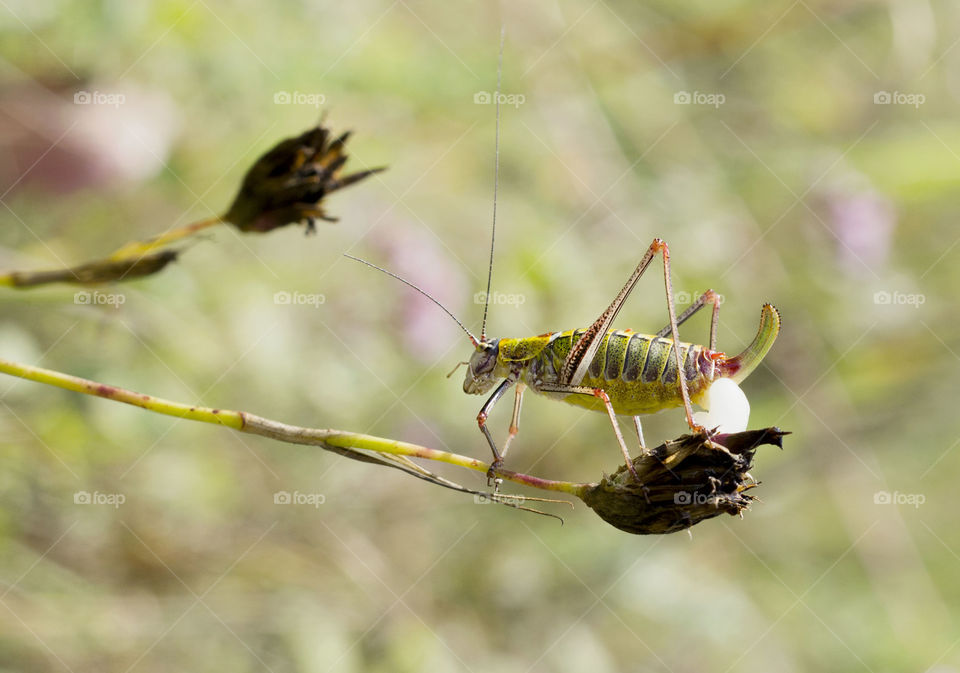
(863, 220)
(63, 136)
(427, 331)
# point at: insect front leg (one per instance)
(708, 297)
(482, 422)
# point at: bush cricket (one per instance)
(618, 372)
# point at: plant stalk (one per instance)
(242, 421)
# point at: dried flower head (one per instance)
(289, 182)
(682, 483)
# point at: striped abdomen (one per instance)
(638, 371)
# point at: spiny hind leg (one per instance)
(708, 297)
(659, 245)
(582, 352)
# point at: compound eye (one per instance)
(490, 358)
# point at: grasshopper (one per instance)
(619, 372)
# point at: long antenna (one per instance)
(496, 182)
(473, 339)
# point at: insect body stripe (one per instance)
(628, 357)
(690, 364)
(670, 372)
(596, 369)
(615, 356)
(656, 360)
(637, 350)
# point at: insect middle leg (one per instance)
(602, 395)
(639, 428)
(515, 419)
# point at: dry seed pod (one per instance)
(288, 183)
(94, 273)
(683, 482)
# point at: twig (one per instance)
(138, 249)
(339, 441)
(681, 482)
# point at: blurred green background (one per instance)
(816, 166)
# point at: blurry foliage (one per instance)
(596, 162)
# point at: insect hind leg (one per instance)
(660, 246)
(582, 352)
(708, 297)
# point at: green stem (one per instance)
(141, 248)
(256, 425)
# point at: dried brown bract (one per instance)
(94, 273)
(289, 182)
(682, 483)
